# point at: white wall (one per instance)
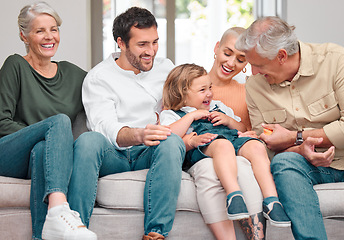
(317, 21)
(75, 45)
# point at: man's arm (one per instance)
(318, 159)
(151, 135)
(283, 139)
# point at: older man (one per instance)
(297, 92)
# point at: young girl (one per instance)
(212, 130)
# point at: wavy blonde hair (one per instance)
(177, 84)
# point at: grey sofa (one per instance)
(119, 211)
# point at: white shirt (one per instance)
(168, 117)
(114, 98)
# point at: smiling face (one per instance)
(271, 69)
(141, 49)
(229, 61)
(199, 95)
(43, 38)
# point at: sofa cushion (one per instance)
(113, 193)
(14, 192)
(125, 191)
(331, 197)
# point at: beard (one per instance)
(136, 63)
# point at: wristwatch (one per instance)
(299, 139)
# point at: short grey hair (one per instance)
(30, 12)
(268, 35)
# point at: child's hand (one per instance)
(198, 140)
(218, 118)
(199, 114)
(252, 134)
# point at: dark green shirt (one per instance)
(26, 97)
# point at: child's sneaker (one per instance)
(236, 207)
(66, 225)
(274, 212)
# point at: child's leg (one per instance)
(255, 152)
(224, 160)
(225, 165)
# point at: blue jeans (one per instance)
(98, 157)
(44, 153)
(295, 177)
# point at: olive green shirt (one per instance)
(314, 99)
(26, 97)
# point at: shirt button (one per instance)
(293, 87)
(326, 106)
(297, 109)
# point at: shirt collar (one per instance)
(306, 61)
(213, 107)
(306, 66)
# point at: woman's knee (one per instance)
(204, 173)
(60, 121)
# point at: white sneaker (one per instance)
(66, 225)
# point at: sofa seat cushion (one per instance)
(331, 197)
(14, 192)
(125, 191)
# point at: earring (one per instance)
(214, 56)
(244, 70)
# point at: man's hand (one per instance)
(280, 138)
(317, 159)
(151, 135)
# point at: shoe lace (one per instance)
(72, 219)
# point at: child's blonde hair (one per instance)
(178, 83)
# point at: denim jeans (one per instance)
(43, 152)
(295, 177)
(96, 157)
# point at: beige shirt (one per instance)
(314, 99)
